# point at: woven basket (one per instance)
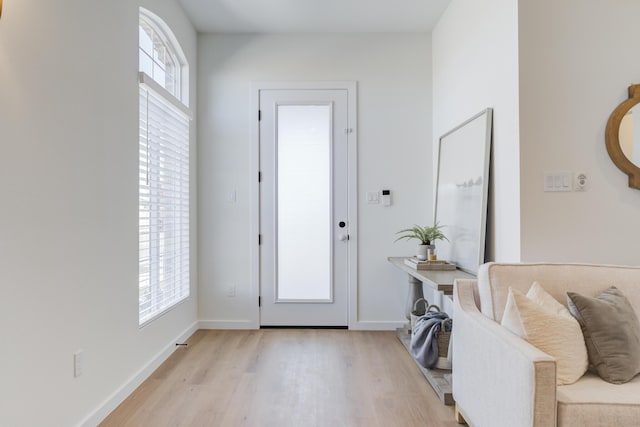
(443, 337)
(416, 313)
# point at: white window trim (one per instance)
(182, 69)
(147, 82)
(178, 104)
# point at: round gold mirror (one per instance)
(623, 136)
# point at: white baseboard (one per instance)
(134, 382)
(361, 325)
(370, 325)
(227, 324)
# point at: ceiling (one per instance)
(313, 16)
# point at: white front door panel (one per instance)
(303, 208)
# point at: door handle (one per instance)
(343, 237)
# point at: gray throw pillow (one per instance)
(612, 333)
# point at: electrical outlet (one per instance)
(78, 363)
(581, 181)
(231, 291)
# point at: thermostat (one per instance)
(386, 197)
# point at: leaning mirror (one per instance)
(623, 136)
(462, 190)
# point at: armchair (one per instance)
(500, 380)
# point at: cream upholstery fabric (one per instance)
(595, 403)
(500, 380)
(556, 279)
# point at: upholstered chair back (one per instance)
(494, 280)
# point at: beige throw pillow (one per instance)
(549, 326)
(612, 332)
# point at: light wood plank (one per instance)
(286, 377)
(440, 379)
(459, 417)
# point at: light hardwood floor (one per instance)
(286, 377)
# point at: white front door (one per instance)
(303, 207)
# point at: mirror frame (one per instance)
(612, 137)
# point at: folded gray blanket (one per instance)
(424, 338)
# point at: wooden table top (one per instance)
(440, 280)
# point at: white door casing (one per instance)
(307, 227)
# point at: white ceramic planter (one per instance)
(422, 251)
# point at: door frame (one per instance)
(352, 190)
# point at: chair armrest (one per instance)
(499, 379)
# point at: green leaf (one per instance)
(426, 235)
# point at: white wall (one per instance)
(553, 80)
(393, 72)
(68, 215)
(475, 66)
(575, 66)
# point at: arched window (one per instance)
(158, 57)
(164, 170)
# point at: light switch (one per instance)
(373, 198)
(557, 181)
(548, 182)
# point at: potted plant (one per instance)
(426, 235)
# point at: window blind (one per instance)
(163, 201)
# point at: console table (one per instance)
(440, 281)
